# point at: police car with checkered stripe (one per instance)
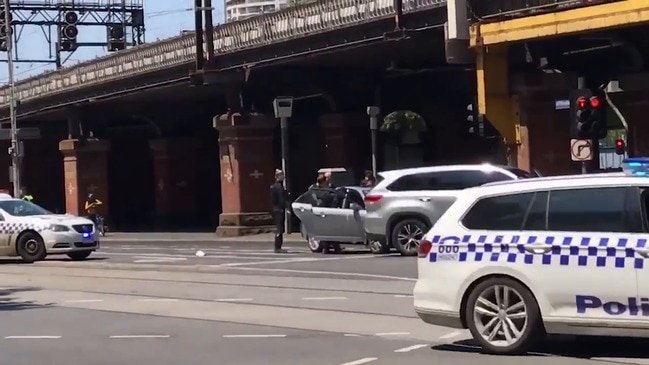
(31, 232)
(513, 261)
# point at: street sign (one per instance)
(581, 149)
(23, 133)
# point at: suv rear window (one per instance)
(446, 180)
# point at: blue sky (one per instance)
(163, 19)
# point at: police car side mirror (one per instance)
(355, 206)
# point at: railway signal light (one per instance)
(69, 32)
(116, 38)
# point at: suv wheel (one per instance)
(407, 234)
(378, 248)
(503, 316)
(314, 244)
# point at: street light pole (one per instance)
(13, 103)
(373, 112)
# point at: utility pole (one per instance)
(13, 103)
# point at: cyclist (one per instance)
(26, 196)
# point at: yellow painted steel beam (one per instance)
(580, 20)
(494, 101)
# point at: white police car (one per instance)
(31, 232)
(512, 261)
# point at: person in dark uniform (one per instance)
(279, 199)
(369, 180)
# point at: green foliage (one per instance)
(401, 121)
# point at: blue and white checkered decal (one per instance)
(564, 251)
(15, 228)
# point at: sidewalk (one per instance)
(194, 237)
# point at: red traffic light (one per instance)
(71, 17)
(582, 102)
(619, 143)
(594, 102)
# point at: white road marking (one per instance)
(84, 301)
(361, 361)
(324, 298)
(264, 262)
(158, 300)
(32, 337)
(254, 336)
(403, 296)
(153, 259)
(139, 336)
(338, 273)
(234, 300)
(392, 334)
(410, 348)
(351, 335)
(450, 335)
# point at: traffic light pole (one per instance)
(581, 84)
(15, 145)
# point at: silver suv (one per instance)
(401, 208)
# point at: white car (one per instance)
(513, 261)
(31, 232)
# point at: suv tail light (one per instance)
(424, 248)
(373, 198)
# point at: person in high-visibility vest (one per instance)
(26, 196)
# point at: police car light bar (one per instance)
(637, 166)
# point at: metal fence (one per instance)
(486, 9)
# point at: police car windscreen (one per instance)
(21, 208)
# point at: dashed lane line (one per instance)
(254, 336)
(410, 348)
(351, 335)
(386, 334)
(361, 361)
(157, 300)
(83, 301)
(403, 296)
(32, 337)
(234, 300)
(324, 298)
(138, 336)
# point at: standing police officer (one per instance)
(279, 201)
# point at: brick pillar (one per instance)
(247, 171)
(84, 171)
(336, 148)
(174, 162)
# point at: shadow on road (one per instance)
(582, 347)
(8, 302)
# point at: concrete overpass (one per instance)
(240, 44)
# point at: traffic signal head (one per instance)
(71, 18)
(588, 114)
(619, 146)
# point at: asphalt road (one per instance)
(159, 303)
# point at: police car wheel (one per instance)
(503, 316)
(79, 255)
(30, 247)
(406, 236)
